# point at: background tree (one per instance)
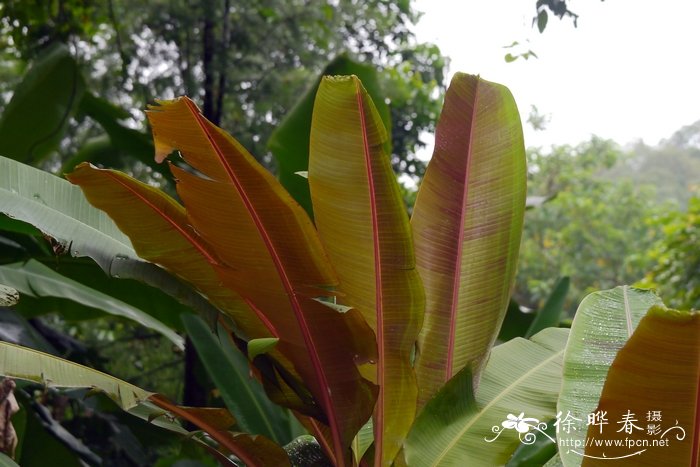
(673, 166)
(675, 258)
(244, 62)
(592, 229)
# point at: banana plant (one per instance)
(360, 320)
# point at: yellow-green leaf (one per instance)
(271, 255)
(603, 323)
(363, 224)
(522, 377)
(653, 383)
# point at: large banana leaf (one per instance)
(35, 120)
(160, 232)
(36, 280)
(120, 144)
(155, 302)
(467, 223)
(657, 371)
(362, 221)
(270, 254)
(521, 377)
(602, 324)
(6, 461)
(289, 143)
(31, 365)
(61, 212)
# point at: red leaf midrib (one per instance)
(460, 242)
(286, 282)
(187, 235)
(379, 305)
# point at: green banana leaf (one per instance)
(555, 461)
(550, 313)
(155, 302)
(289, 143)
(521, 377)
(243, 396)
(467, 223)
(35, 120)
(119, 143)
(602, 324)
(362, 222)
(31, 365)
(539, 452)
(36, 280)
(6, 461)
(62, 213)
(654, 381)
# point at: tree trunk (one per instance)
(208, 51)
(223, 63)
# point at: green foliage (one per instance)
(245, 62)
(593, 230)
(672, 167)
(55, 85)
(675, 258)
(410, 86)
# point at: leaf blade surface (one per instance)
(362, 221)
(467, 223)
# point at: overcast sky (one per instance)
(630, 70)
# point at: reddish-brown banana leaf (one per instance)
(467, 223)
(653, 384)
(271, 255)
(160, 232)
(363, 224)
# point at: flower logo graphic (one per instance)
(522, 425)
(519, 423)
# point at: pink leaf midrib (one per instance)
(460, 242)
(187, 235)
(379, 310)
(286, 282)
(695, 453)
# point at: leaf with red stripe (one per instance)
(158, 228)
(270, 254)
(363, 223)
(467, 223)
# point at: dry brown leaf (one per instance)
(8, 407)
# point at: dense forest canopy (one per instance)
(246, 70)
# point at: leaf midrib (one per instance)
(286, 281)
(460, 241)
